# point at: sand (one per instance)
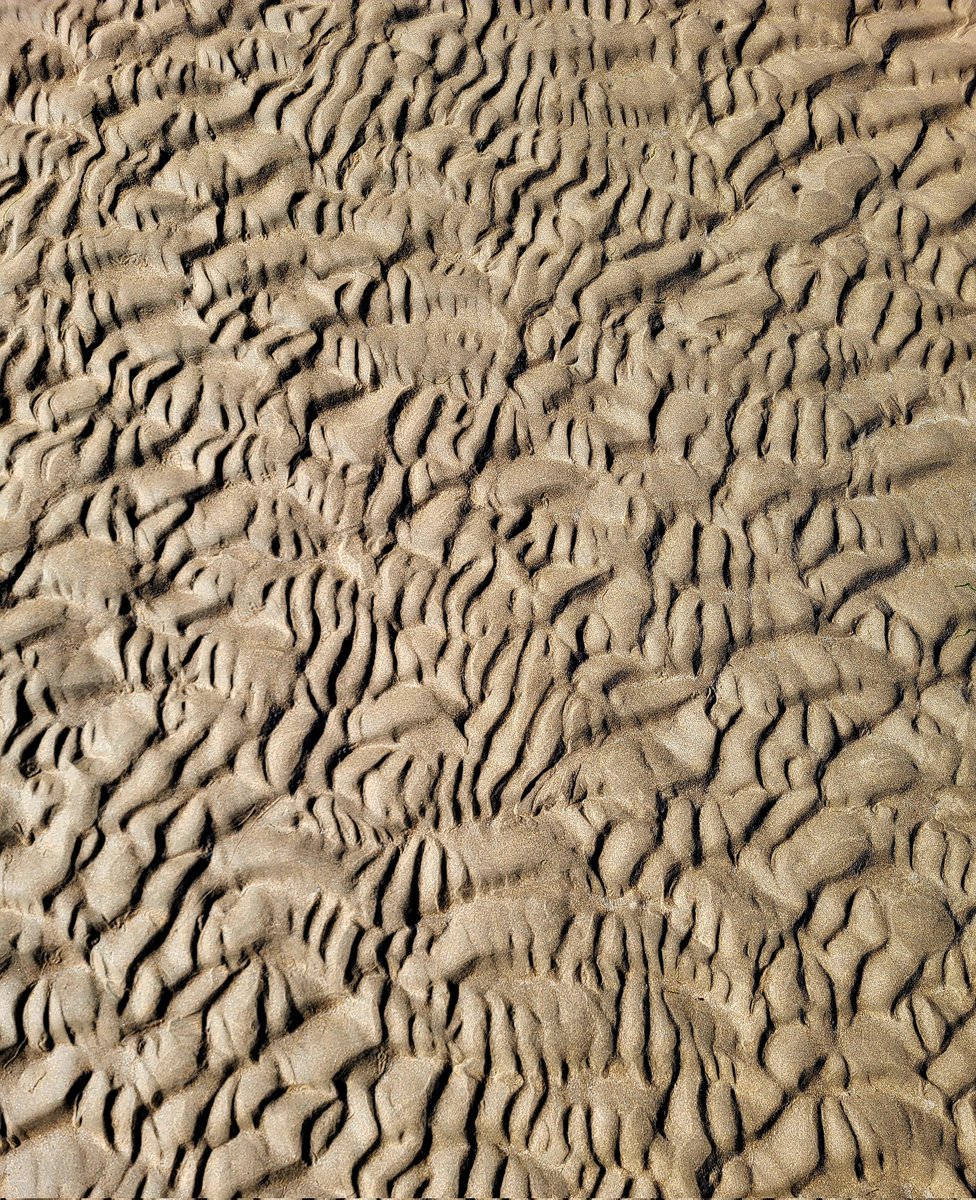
(487, 562)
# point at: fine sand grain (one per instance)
(486, 598)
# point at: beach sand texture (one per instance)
(487, 537)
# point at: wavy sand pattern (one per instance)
(485, 695)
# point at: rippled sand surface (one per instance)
(487, 562)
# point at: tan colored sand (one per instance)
(485, 659)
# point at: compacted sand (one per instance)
(486, 598)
